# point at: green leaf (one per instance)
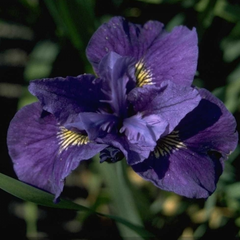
(32, 194)
(40, 197)
(74, 19)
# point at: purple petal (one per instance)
(96, 125)
(170, 101)
(113, 69)
(122, 37)
(66, 97)
(142, 134)
(136, 138)
(143, 131)
(132, 153)
(43, 152)
(103, 128)
(165, 56)
(210, 127)
(190, 160)
(184, 172)
(173, 57)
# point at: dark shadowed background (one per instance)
(48, 38)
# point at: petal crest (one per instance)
(143, 131)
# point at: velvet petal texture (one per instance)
(169, 100)
(164, 56)
(43, 152)
(66, 97)
(190, 160)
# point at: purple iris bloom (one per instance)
(141, 106)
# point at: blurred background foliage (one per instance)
(47, 38)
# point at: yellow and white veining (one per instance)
(168, 144)
(69, 138)
(143, 75)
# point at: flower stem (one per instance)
(123, 203)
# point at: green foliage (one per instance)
(32, 194)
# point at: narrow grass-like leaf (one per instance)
(40, 197)
(32, 194)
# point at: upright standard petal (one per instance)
(190, 160)
(114, 70)
(123, 37)
(43, 152)
(66, 97)
(158, 55)
(172, 57)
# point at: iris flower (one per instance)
(141, 105)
